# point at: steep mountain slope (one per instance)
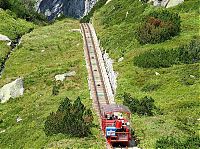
(178, 100)
(69, 8)
(13, 28)
(44, 53)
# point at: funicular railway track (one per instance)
(99, 88)
(97, 85)
(95, 74)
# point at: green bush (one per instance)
(187, 54)
(55, 90)
(157, 58)
(24, 9)
(145, 106)
(150, 87)
(190, 54)
(158, 26)
(192, 142)
(131, 102)
(70, 119)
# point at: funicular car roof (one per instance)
(115, 108)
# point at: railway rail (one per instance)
(100, 88)
(97, 85)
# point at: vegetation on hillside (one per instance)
(158, 58)
(71, 119)
(24, 9)
(175, 89)
(192, 142)
(44, 53)
(13, 27)
(144, 106)
(158, 26)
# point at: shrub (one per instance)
(24, 9)
(131, 102)
(145, 106)
(190, 53)
(192, 142)
(55, 90)
(157, 58)
(70, 119)
(158, 26)
(187, 54)
(150, 87)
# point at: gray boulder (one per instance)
(11, 90)
(4, 38)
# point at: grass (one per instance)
(115, 24)
(43, 53)
(12, 26)
(4, 50)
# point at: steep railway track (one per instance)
(97, 85)
(100, 88)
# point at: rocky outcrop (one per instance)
(71, 8)
(11, 90)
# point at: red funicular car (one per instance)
(115, 124)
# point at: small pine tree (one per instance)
(65, 105)
(78, 108)
(70, 119)
(131, 102)
(146, 106)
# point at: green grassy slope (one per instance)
(45, 52)
(12, 27)
(115, 24)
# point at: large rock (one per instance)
(12, 90)
(4, 38)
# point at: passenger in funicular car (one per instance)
(120, 123)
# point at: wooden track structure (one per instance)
(99, 90)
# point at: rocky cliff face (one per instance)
(71, 8)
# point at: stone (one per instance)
(4, 38)
(9, 43)
(2, 131)
(18, 119)
(12, 90)
(42, 51)
(157, 74)
(75, 30)
(108, 1)
(191, 76)
(127, 14)
(70, 74)
(173, 3)
(120, 59)
(61, 77)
